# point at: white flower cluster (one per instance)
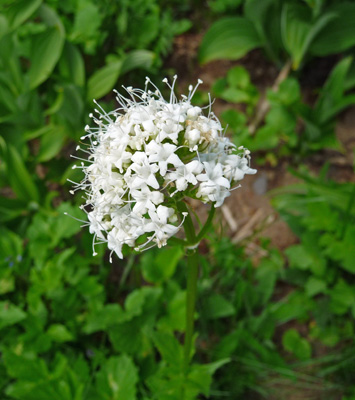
(148, 155)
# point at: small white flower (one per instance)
(151, 152)
(185, 174)
(163, 154)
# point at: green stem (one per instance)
(192, 241)
(207, 225)
(192, 276)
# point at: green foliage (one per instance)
(322, 265)
(289, 125)
(293, 29)
(55, 57)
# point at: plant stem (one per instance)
(191, 290)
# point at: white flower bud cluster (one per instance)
(145, 157)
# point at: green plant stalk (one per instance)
(191, 291)
(192, 241)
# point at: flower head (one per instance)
(145, 157)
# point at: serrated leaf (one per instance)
(103, 80)
(104, 318)
(117, 379)
(27, 368)
(229, 38)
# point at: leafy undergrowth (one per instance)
(76, 327)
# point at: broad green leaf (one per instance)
(294, 343)
(21, 10)
(137, 59)
(117, 379)
(299, 30)
(46, 50)
(266, 18)
(20, 179)
(10, 314)
(51, 143)
(71, 65)
(339, 35)
(103, 80)
(229, 38)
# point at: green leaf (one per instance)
(200, 378)
(87, 22)
(117, 379)
(157, 268)
(342, 297)
(217, 306)
(293, 343)
(18, 175)
(305, 258)
(169, 348)
(10, 314)
(137, 59)
(332, 94)
(46, 49)
(339, 35)
(299, 30)
(25, 367)
(103, 80)
(59, 333)
(229, 38)
(71, 65)
(51, 143)
(21, 10)
(238, 77)
(104, 318)
(315, 286)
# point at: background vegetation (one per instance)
(270, 325)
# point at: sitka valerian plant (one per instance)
(145, 158)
